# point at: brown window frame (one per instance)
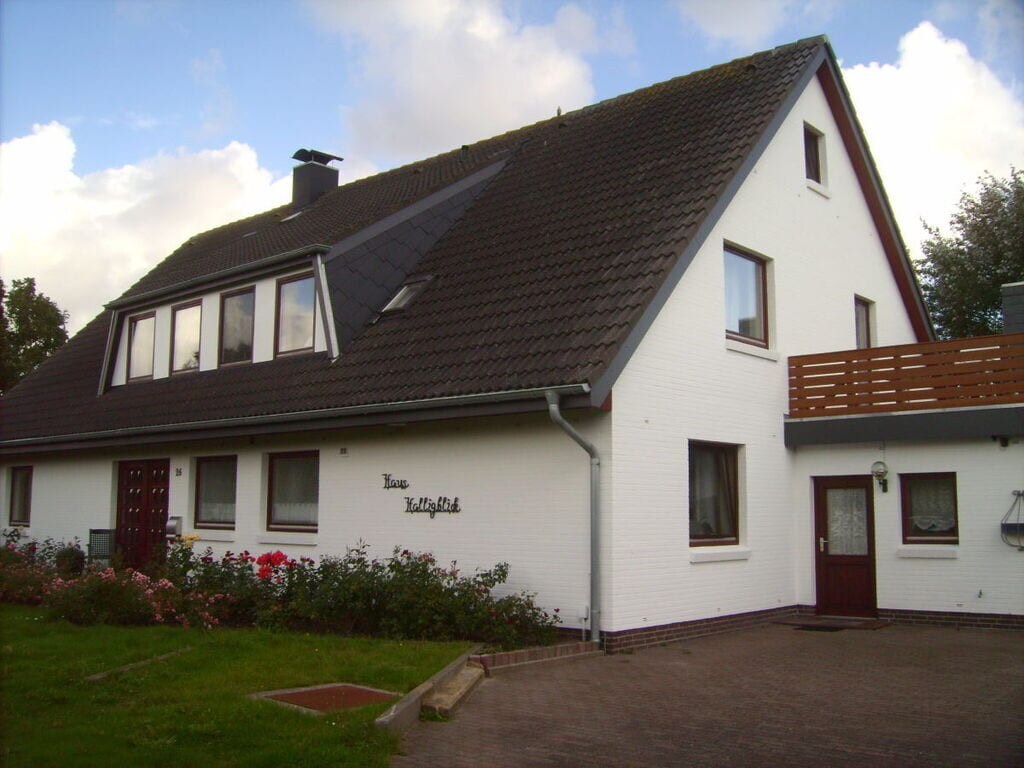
(906, 498)
(174, 327)
(762, 264)
(131, 336)
(277, 315)
(196, 522)
(220, 327)
(812, 159)
(28, 499)
(732, 451)
(298, 527)
(858, 303)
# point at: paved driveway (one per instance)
(770, 696)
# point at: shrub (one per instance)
(69, 561)
(128, 597)
(406, 596)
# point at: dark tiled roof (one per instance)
(537, 284)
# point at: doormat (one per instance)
(832, 623)
(319, 699)
(819, 629)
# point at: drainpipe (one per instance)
(595, 508)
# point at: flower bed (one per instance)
(406, 596)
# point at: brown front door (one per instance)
(141, 509)
(844, 543)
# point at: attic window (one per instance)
(814, 168)
(405, 295)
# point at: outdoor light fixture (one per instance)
(880, 471)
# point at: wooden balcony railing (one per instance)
(985, 370)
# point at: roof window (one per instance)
(406, 294)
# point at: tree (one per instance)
(32, 327)
(961, 274)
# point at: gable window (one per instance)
(746, 304)
(293, 491)
(185, 326)
(140, 346)
(20, 511)
(862, 321)
(236, 324)
(928, 502)
(296, 301)
(714, 494)
(405, 295)
(215, 491)
(813, 167)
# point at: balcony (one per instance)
(963, 373)
(984, 374)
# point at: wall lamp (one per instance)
(880, 471)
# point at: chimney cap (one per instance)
(314, 156)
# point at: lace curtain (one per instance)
(296, 492)
(932, 505)
(847, 521)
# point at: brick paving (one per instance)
(767, 696)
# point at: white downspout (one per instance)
(595, 508)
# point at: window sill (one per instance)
(719, 554)
(214, 535)
(750, 349)
(929, 551)
(819, 189)
(291, 539)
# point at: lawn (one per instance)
(191, 709)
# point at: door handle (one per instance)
(821, 543)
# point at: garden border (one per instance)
(406, 711)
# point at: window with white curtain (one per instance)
(928, 501)
(215, 491)
(293, 490)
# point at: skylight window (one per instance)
(405, 295)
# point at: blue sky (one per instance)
(127, 126)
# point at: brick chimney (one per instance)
(1013, 307)
(314, 177)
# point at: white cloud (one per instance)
(87, 238)
(935, 120)
(748, 24)
(440, 73)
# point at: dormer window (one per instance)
(296, 314)
(237, 314)
(185, 324)
(140, 346)
(406, 294)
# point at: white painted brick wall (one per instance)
(684, 383)
(986, 476)
(522, 484)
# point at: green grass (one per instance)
(191, 709)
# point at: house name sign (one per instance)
(425, 505)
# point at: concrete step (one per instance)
(445, 699)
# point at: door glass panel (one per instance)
(847, 521)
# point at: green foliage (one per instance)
(407, 596)
(32, 327)
(961, 274)
(28, 569)
(69, 561)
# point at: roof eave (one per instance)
(429, 409)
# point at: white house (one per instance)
(569, 347)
